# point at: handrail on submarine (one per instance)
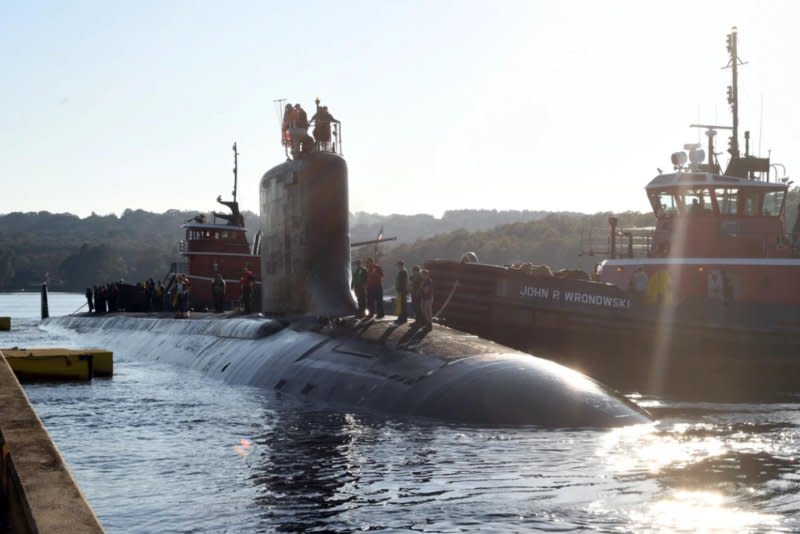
(295, 139)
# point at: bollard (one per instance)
(45, 310)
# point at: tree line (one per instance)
(560, 240)
(73, 253)
(409, 228)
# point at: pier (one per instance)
(37, 492)
(59, 364)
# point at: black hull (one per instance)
(696, 349)
(376, 367)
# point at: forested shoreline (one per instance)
(72, 253)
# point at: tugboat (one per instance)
(220, 248)
(309, 344)
(706, 303)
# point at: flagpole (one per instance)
(377, 244)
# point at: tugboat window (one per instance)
(748, 202)
(695, 201)
(773, 203)
(663, 203)
(726, 201)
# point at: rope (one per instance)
(446, 301)
(79, 308)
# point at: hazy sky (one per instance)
(500, 105)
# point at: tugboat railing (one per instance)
(628, 243)
(638, 243)
(634, 242)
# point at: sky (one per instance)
(538, 105)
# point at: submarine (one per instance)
(308, 343)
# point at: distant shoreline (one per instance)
(36, 292)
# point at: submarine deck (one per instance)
(369, 365)
(439, 341)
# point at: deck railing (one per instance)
(634, 242)
(299, 141)
(638, 243)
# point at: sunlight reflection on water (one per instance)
(699, 511)
(707, 473)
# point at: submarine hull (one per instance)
(376, 367)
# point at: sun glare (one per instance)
(698, 511)
(666, 315)
(662, 451)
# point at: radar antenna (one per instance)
(711, 132)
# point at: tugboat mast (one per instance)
(235, 170)
(235, 218)
(733, 92)
(748, 165)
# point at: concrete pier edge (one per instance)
(39, 494)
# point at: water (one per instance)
(162, 449)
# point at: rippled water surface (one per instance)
(162, 449)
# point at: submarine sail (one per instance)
(305, 258)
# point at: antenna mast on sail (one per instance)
(278, 102)
(279, 110)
